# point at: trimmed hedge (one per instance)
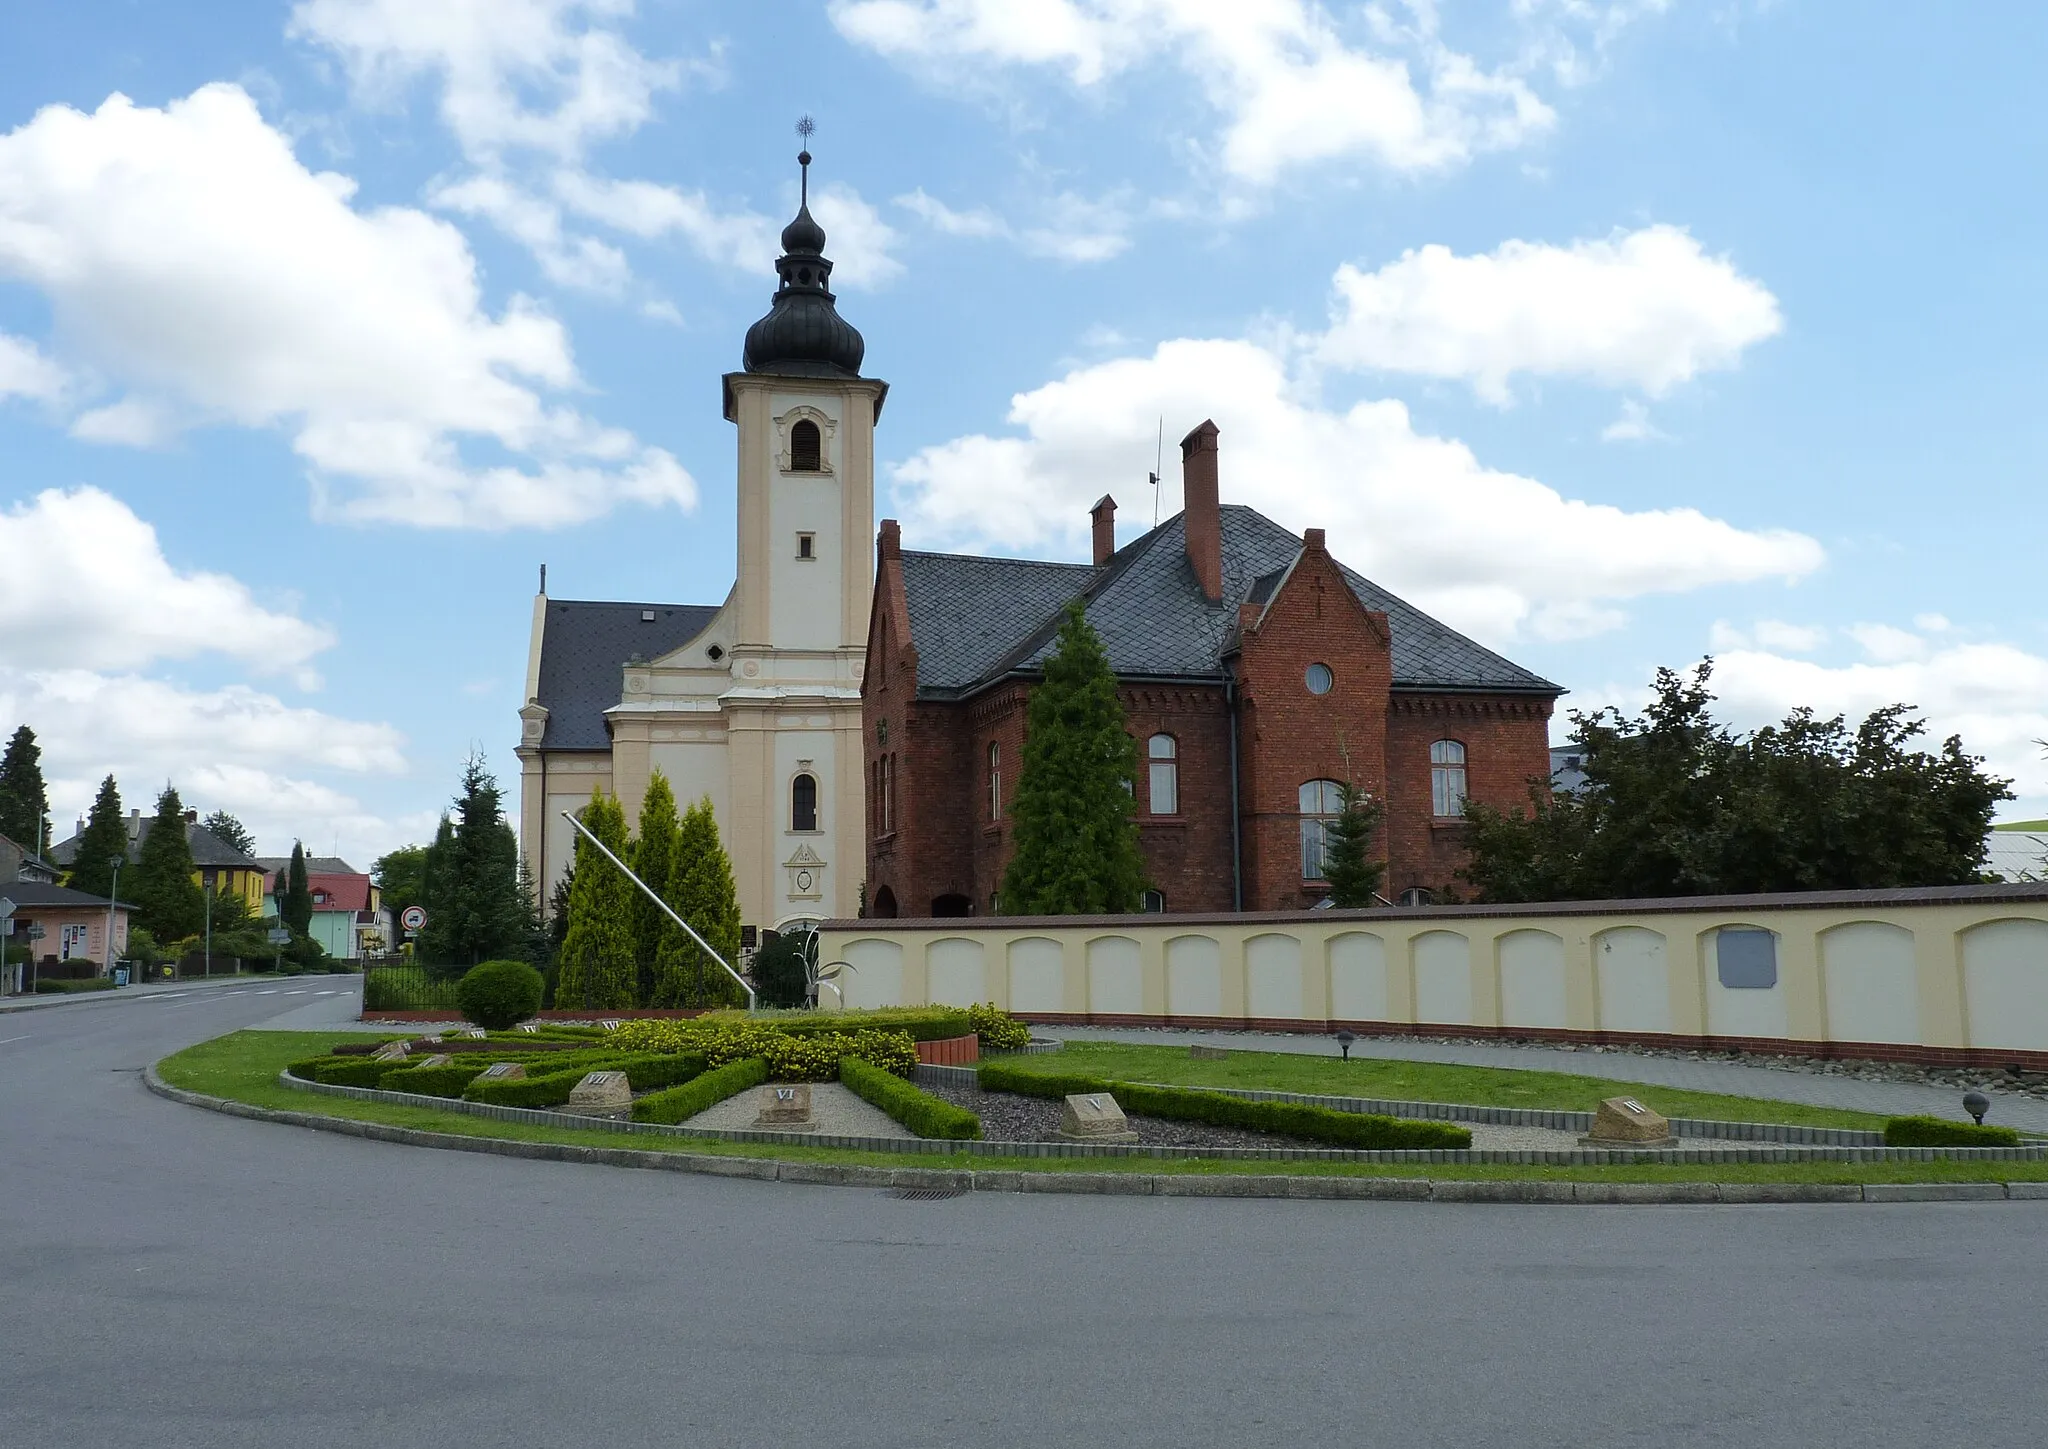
(919, 1110)
(1361, 1130)
(1935, 1132)
(47, 987)
(351, 1071)
(654, 1073)
(679, 1104)
(551, 1090)
(445, 1081)
(499, 994)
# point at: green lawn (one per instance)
(1416, 1082)
(244, 1066)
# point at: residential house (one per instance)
(17, 863)
(73, 924)
(349, 919)
(217, 866)
(1256, 673)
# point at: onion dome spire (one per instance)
(803, 334)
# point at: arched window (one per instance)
(1446, 779)
(803, 803)
(806, 449)
(995, 781)
(1153, 902)
(1321, 802)
(1164, 791)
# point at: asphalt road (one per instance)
(170, 1277)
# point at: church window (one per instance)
(1321, 802)
(1163, 752)
(807, 545)
(806, 449)
(995, 781)
(803, 803)
(1153, 902)
(1446, 779)
(1319, 679)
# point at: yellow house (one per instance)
(218, 868)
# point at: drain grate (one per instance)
(926, 1194)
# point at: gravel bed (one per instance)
(1008, 1117)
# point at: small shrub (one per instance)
(72, 988)
(679, 1104)
(446, 1081)
(919, 1110)
(1936, 1132)
(550, 1090)
(999, 1031)
(499, 994)
(653, 1035)
(653, 1073)
(351, 1071)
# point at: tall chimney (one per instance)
(1201, 517)
(1103, 514)
(889, 541)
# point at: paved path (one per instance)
(221, 1284)
(1736, 1079)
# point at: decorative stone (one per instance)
(434, 1040)
(1208, 1053)
(1095, 1117)
(528, 1027)
(503, 1072)
(438, 1059)
(476, 1033)
(786, 1107)
(1625, 1122)
(601, 1094)
(393, 1051)
(611, 1023)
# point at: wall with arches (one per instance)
(1952, 975)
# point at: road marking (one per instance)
(268, 991)
(6, 1039)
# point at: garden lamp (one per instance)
(1344, 1040)
(1976, 1104)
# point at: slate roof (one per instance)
(206, 847)
(975, 620)
(583, 647)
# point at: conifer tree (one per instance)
(168, 901)
(24, 803)
(295, 901)
(653, 860)
(597, 971)
(104, 839)
(229, 828)
(1351, 871)
(475, 911)
(702, 891)
(1076, 843)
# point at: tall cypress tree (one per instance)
(475, 909)
(296, 902)
(1076, 843)
(653, 860)
(702, 891)
(104, 839)
(1348, 866)
(167, 898)
(437, 875)
(597, 970)
(24, 803)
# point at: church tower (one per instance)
(754, 703)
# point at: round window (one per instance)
(715, 653)
(1319, 679)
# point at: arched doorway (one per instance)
(952, 904)
(884, 904)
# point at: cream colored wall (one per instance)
(1947, 975)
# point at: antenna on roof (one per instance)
(1158, 462)
(543, 578)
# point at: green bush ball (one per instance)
(498, 995)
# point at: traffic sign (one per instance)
(279, 936)
(414, 918)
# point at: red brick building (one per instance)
(1256, 670)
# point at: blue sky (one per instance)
(1616, 332)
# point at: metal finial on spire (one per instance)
(804, 127)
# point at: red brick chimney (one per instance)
(1202, 519)
(1104, 516)
(889, 543)
(1312, 541)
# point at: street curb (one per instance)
(1121, 1184)
(84, 998)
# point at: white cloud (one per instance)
(1767, 634)
(582, 263)
(860, 241)
(1074, 228)
(25, 372)
(1646, 309)
(1633, 426)
(1489, 551)
(86, 584)
(133, 422)
(1887, 644)
(544, 75)
(1288, 86)
(1995, 696)
(189, 255)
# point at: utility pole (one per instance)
(113, 895)
(212, 888)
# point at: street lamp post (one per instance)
(113, 895)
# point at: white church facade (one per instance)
(754, 702)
